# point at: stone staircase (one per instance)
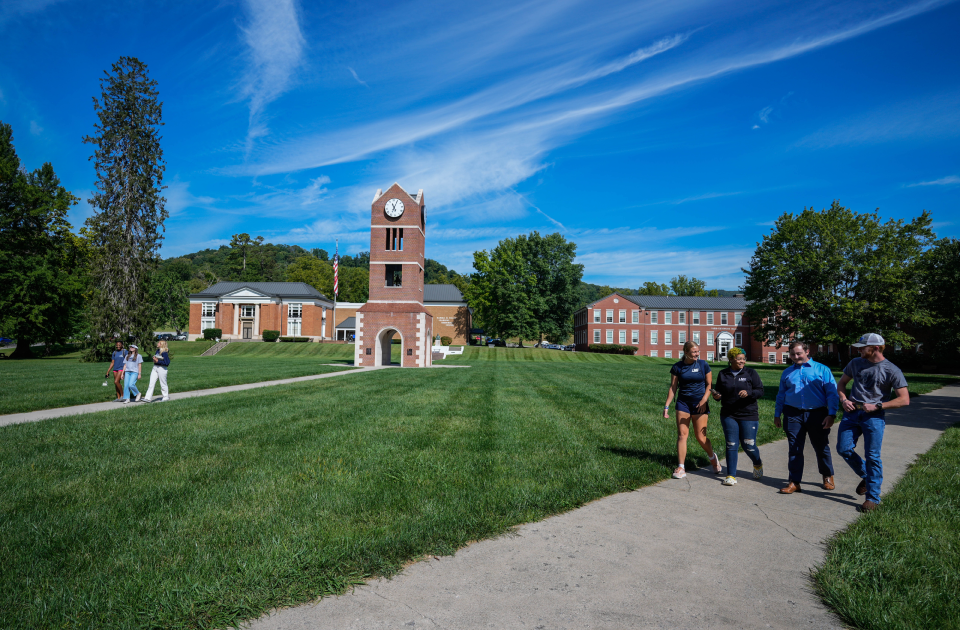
(215, 348)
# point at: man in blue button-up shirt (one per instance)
(809, 400)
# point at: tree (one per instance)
(834, 275)
(315, 272)
(320, 253)
(41, 261)
(126, 229)
(169, 291)
(941, 288)
(354, 284)
(526, 287)
(652, 288)
(681, 285)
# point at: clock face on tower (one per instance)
(394, 208)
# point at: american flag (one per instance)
(336, 266)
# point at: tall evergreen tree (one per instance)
(41, 261)
(127, 228)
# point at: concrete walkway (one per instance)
(681, 554)
(45, 414)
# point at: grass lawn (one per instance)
(201, 513)
(899, 567)
(28, 385)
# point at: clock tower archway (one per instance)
(395, 306)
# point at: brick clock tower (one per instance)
(398, 223)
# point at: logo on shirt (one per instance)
(695, 370)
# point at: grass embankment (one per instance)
(204, 512)
(899, 567)
(28, 385)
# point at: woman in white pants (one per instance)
(161, 361)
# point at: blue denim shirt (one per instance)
(809, 385)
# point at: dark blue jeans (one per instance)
(870, 426)
(800, 423)
(737, 432)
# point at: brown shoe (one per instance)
(868, 506)
(862, 488)
(828, 483)
(790, 488)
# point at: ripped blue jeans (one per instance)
(737, 432)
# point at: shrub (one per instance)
(295, 339)
(446, 341)
(212, 333)
(271, 335)
(612, 348)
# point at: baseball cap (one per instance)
(869, 339)
(134, 346)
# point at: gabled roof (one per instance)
(269, 289)
(349, 323)
(442, 293)
(416, 198)
(682, 302)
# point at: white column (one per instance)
(256, 321)
(236, 320)
(323, 323)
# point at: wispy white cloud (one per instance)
(275, 51)
(713, 195)
(179, 198)
(764, 114)
(949, 180)
(359, 80)
(13, 9)
(35, 128)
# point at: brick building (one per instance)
(222, 303)
(659, 326)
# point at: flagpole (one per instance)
(335, 287)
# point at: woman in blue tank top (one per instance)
(690, 382)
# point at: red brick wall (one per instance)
(451, 321)
(310, 321)
(195, 310)
(226, 318)
(269, 317)
(405, 324)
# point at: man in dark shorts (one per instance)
(863, 413)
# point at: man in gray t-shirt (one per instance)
(863, 412)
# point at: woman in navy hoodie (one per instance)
(161, 361)
(738, 389)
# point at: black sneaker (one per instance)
(862, 488)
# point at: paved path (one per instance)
(45, 414)
(680, 554)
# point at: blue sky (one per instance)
(661, 137)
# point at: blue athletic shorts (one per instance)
(689, 405)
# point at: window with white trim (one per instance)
(667, 337)
(636, 317)
(681, 317)
(609, 336)
(653, 337)
(696, 318)
(772, 357)
(247, 310)
(739, 339)
(709, 319)
(723, 319)
(654, 353)
(623, 316)
(668, 317)
(737, 318)
(709, 338)
(635, 337)
(596, 336)
(668, 354)
(623, 337)
(682, 337)
(609, 315)
(207, 317)
(294, 319)
(785, 358)
(709, 356)
(696, 337)
(654, 315)
(596, 315)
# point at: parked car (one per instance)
(496, 342)
(181, 337)
(571, 347)
(165, 337)
(5, 340)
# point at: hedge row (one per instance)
(270, 335)
(612, 348)
(295, 339)
(212, 333)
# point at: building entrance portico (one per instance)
(724, 343)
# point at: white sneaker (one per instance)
(679, 473)
(730, 481)
(139, 396)
(715, 464)
(126, 401)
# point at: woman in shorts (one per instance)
(690, 381)
(738, 389)
(116, 364)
